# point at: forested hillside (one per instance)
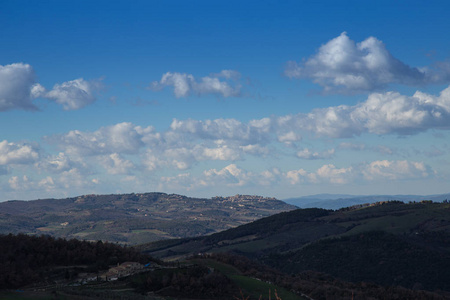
(27, 259)
(388, 243)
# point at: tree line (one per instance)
(26, 259)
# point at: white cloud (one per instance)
(231, 175)
(308, 154)
(289, 137)
(185, 84)
(224, 129)
(119, 138)
(374, 171)
(72, 179)
(222, 152)
(183, 145)
(17, 87)
(75, 94)
(395, 170)
(178, 158)
(183, 157)
(57, 163)
(325, 174)
(37, 91)
(255, 149)
(187, 142)
(183, 181)
(47, 183)
(17, 153)
(116, 164)
(331, 174)
(296, 176)
(381, 113)
(17, 183)
(341, 65)
(234, 176)
(331, 122)
(66, 183)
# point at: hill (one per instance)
(337, 201)
(47, 268)
(134, 218)
(389, 243)
(28, 259)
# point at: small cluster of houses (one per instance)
(121, 270)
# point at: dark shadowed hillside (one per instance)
(389, 243)
(28, 259)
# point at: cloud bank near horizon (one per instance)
(129, 151)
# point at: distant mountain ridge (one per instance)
(337, 201)
(134, 218)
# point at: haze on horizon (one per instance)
(204, 99)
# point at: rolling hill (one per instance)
(337, 201)
(389, 243)
(134, 218)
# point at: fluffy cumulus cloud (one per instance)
(180, 147)
(329, 173)
(234, 176)
(119, 138)
(183, 157)
(288, 138)
(71, 179)
(395, 170)
(75, 94)
(187, 142)
(126, 150)
(296, 176)
(18, 87)
(325, 174)
(370, 172)
(116, 164)
(226, 84)
(229, 176)
(17, 153)
(381, 113)
(68, 183)
(342, 65)
(57, 163)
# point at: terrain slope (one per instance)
(389, 243)
(134, 218)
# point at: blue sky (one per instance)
(208, 98)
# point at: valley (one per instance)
(243, 247)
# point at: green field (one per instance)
(252, 287)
